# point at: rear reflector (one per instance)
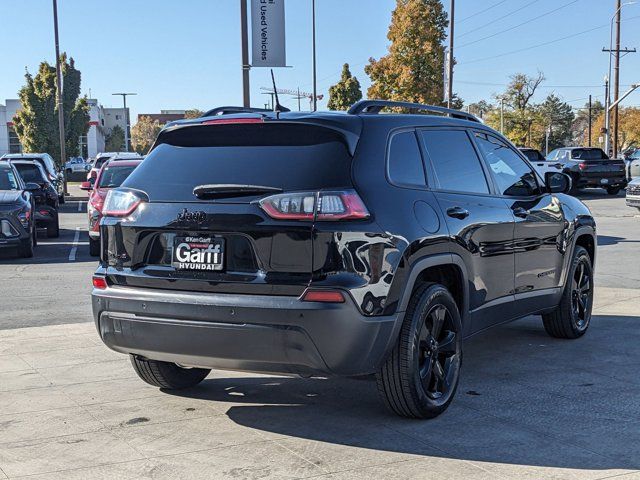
(226, 121)
(324, 296)
(99, 282)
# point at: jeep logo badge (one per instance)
(187, 216)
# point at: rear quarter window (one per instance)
(404, 160)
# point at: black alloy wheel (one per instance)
(581, 294)
(439, 353)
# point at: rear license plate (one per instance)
(198, 253)
(604, 181)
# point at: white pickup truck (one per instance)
(541, 164)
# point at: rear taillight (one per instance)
(121, 203)
(320, 206)
(582, 166)
(99, 282)
(323, 296)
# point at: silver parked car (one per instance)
(633, 193)
(633, 165)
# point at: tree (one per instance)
(580, 127)
(628, 128)
(412, 70)
(558, 117)
(114, 141)
(144, 133)
(36, 123)
(481, 108)
(346, 92)
(193, 113)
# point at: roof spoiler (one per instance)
(376, 106)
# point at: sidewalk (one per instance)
(528, 407)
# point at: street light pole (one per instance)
(126, 119)
(244, 32)
(607, 120)
(59, 92)
(313, 34)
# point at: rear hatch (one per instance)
(202, 227)
(594, 163)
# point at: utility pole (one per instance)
(590, 106)
(126, 119)
(450, 77)
(546, 140)
(616, 88)
(59, 91)
(313, 35)
(502, 115)
(607, 118)
(244, 32)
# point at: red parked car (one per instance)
(111, 175)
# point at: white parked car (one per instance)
(633, 193)
(76, 165)
(541, 164)
(633, 165)
(104, 157)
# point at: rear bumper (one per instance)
(18, 232)
(605, 180)
(633, 200)
(243, 332)
(44, 215)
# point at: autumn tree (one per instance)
(580, 127)
(346, 92)
(628, 128)
(36, 123)
(144, 133)
(412, 69)
(193, 113)
(114, 141)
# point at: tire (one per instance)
(94, 247)
(613, 190)
(26, 246)
(61, 199)
(572, 317)
(68, 172)
(408, 381)
(53, 230)
(167, 375)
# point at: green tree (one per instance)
(36, 123)
(114, 141)
(558, 116)
(346, 92)
(412, 70)
(580, 126)
(144, 133)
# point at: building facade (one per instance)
(101, 121)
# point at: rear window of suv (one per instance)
(287, 156)
(588, 154)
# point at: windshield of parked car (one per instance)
(533, 155)
(588, 154)
(8, 180)
(113, 176)
(29, 173)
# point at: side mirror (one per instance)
(86, 186)
(31, 187)
(557, 182)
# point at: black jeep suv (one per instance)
(336, 244)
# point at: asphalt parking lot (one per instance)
(528, 406)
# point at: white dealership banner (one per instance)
(267, 33)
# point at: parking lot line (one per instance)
(74, 249)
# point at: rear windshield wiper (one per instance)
(226, 190)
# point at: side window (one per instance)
(454, 160)
(405, 161)
(513, 176)
(553, 156)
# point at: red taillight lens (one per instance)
(99, 282)
(582, 166)
(321, 206)
(121, 203)
(324, 296)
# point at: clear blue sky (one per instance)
(186, 54)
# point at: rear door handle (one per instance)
(457, 212)
(521, 212)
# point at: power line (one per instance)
(481, 11)
(520, 24)
(497, 19)
(542, 44)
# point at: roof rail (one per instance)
(231, 110)
(375, 106)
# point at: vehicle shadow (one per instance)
(597, 193)
(604, 240)
(524, 399)
(51, 250)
